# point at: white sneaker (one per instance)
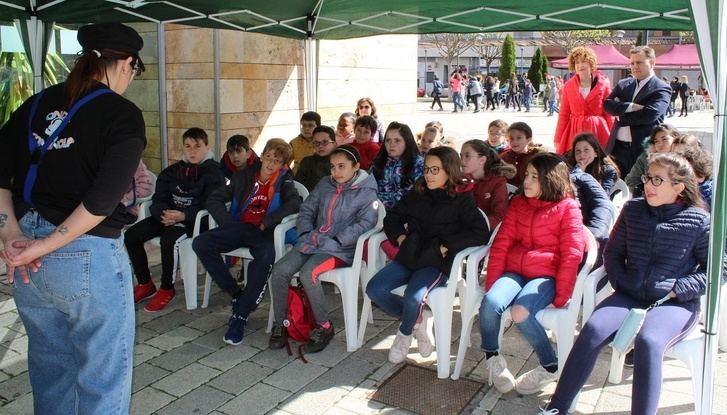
(400, 348)
(424, 342)
(500, 375)
(534, 381)
(548, 412)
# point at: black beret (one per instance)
(114, 36)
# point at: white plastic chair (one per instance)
(189, 269)
(440, 300)
(619, 194)
(511, 190)
(141, 200)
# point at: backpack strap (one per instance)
(37, 151)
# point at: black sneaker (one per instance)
(278, 337)
(629, 360)
(319, 339)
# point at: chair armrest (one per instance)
(590, 293)
(144, 210)
(198, 221)
(279, 232)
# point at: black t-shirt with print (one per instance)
(92, 162)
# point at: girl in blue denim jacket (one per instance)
(398, 165)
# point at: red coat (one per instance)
(367, 151)
(491, 196)
(537, 239)
(578, 114)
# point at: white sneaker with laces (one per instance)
(534, 381)
(499, 374)
(400, 348)
(424, 342)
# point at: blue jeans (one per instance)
(418, 284)
(510, 290)
(553, 107)
(78, 311)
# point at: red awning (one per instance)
(608, 57)
(679, 57)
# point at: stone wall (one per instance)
(262, 88)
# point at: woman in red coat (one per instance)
(581, 106)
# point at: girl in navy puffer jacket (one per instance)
(658, 248)
(533, 263)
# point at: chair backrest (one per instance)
(302, 191)
(586, 267)
(511, 190)
(619, 193)
(614, 215)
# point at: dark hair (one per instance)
(370, 102)
(238, 142)
(368, 122)
(667, 128)
(700, 160)
(196, 134)
(349, 152)
(326, 129)
(597, 168)
(88, 70)
(482, 149)
(680, 171)
(311, 116)
(553, 177)
(408, 158)
(451, 164)
(521, 126)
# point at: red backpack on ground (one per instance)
(300, 319)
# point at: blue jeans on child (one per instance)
(510, 290)
(78, 311)
(663, 326)
(418, 284)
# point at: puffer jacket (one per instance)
(433, 218)
(594, 203)
(655, 250)
(537, 239)
(334, 215)
(390, 187)
(284, 201)
(490, 193)
(185, 187)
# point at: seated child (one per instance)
(364, 129)
(303, 143)
(181, 191)
(317, 166)
(398, 165)
(428, 139)
(588, 154)
(339, 209)
(496, 133)
(701, 162)
(344, 128)
(239, 155)
(520, 140)
(659, 141)
(261, 197)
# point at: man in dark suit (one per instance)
(640, 104)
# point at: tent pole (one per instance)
(311, 73)
(162, 59)
(217, 92)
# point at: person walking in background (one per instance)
(674, 85)
(552, 96)
(581, 106)
(683, 94)
(513, 91)
(437, 88)
(455, 86)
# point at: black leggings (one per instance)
(143, 231)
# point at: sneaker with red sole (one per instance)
(144, 291)
(160, 300)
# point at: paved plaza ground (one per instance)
(183, 367)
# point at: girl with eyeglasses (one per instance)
(533, 263)
(658, 247)
(660, 141)
(430, 225)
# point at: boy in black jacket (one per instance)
(317, 166)
(180, 193)
(261, 195)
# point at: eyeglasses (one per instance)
(321, 143)
(434, 170)
(655, 180)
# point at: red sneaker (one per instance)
(160, 300)
(144, 291)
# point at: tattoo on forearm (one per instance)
(63, 229)
(3, 220)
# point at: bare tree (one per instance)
(450, 45)
(489, 47)
(569, 39)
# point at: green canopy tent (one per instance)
(312, 20)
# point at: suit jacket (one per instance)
(654, 96)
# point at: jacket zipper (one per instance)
(327, 227)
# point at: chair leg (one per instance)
(349, 299)
(366, 312)
(207, 289)
(468, 311)
(442, 335)
(615, 373)
(188, 269)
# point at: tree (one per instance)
(544, 65)
(488, 47)
(569, 39)
(639, 39)
(535, 73)
(507, 60)
(451, 45)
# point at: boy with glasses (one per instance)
(316, 166)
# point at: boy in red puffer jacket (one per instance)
(533, 263)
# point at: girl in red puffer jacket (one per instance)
(533, 263)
